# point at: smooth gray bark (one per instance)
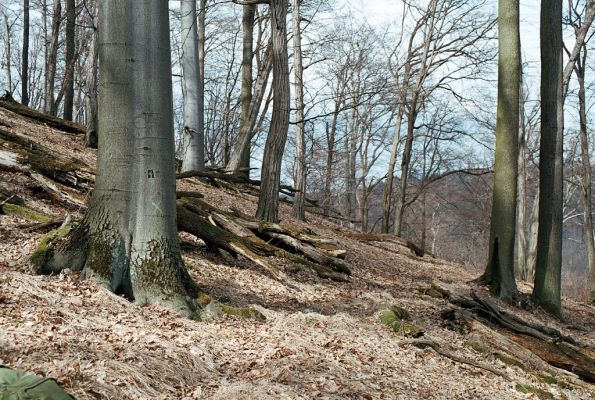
(25, 56)
(299, 208)
(193, 141)
(128, 240)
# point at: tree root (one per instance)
(531, 345)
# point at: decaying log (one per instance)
(530, 344)
(216, 176)
(379, 237)
(219, 230)
(182, 193)
(53, 122)
(216, 237)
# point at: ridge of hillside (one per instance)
(321, 338)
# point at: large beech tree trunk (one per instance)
(128, 241)
(499, 273)
(194, 154)
(268, 201)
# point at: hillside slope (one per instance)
(321, 339)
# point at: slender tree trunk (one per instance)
(202, 12)
(390, 171)
(405, 163)
(299, 208)
(246, 95)
(50, 68)
(128, 241)
(25, 56)
(91, 136)
(268, 201)
(586, 176)
(532, 242)
(8, 51)
(547, 288)
(350, 148)
(521, 243)
(70, 60)
(239, 161)
(193, 152)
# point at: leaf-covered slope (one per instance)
(321, 338)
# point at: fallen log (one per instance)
(538, 341)
(379, 237)
(51, 121)
(219, 231)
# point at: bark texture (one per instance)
(70, 59)
(499, 273)
(299, 208)
(50, 66)
(127, 241)
(268, 201)
(546, 291)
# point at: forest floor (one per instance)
(321, 339)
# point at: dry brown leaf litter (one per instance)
(321, 340)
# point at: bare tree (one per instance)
(52, 59)
(25, 56)
(193, 141)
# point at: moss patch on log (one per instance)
(528, 389)
(24, 212)
(45, 247)
(395, 320)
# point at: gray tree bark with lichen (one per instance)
(127, 241)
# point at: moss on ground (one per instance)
(211, 308)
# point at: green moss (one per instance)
(100, 259)
(45, 247)
(24, 212)
(512, 361)
(244, 312)
(215, 308)
(527, 389)
(550, 380)
(203, 300)
(478, 347)
(387, 317)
